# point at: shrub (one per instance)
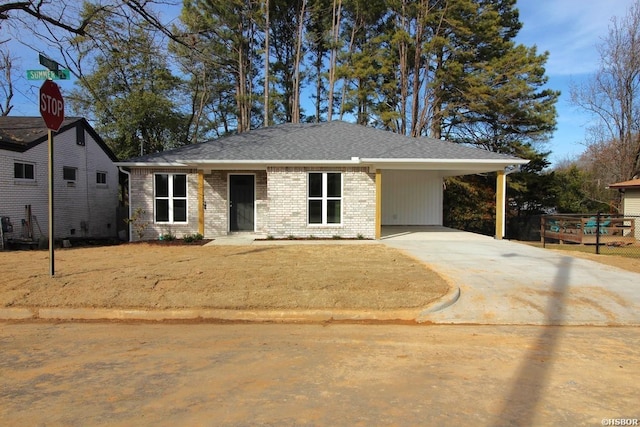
(139, 226)
(168, 237)
(190, 238)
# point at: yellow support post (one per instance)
(378, 204)
(501, 190)
(201, 202)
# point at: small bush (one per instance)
(336, 237)
(191, 238)
(168, 237)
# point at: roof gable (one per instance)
(23, 133)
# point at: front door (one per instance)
(241, 202)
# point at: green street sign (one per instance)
(48, 75)
(48, 62)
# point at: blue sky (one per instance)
(568, 29)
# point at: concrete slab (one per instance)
(503, 282)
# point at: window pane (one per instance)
(334, 185)
(68, 174)
(18, 170)
(180, 210)
(101, 178)
(315, 185)
(162, 185)
(333, 211)
(315, 211)
(28, 171)
(162, 210)
(180, 186)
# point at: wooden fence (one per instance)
(610, 230)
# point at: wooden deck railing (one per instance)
(588, 229)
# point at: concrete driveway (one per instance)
(503, 282)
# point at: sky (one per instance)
(568, 29)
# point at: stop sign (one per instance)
(51, 105)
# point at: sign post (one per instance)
(52, 111)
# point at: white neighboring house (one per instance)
(630, 200)
(85, 179)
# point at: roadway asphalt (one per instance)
(503, 282)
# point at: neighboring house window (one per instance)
(24, 171)
(170, 197)
(325, 198)
(101, 178)
(69, 174)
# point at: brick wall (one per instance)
(142, 183)
(287, 194)
(281, 206)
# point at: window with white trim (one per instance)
(324, 198)
(170, 197)
(24, 171)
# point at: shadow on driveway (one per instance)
(521, 403)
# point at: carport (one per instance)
(410, 193)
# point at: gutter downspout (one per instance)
(128, 197)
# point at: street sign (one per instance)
(48, 75)
(51, 105)
(47, 62)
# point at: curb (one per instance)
(281, 316)
(449, 299)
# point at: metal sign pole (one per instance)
(51, 256)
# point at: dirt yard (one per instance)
(224, 277)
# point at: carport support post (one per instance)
(501, 190)
(201, 205)
(378, 204)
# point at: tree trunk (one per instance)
(295, 113)
(266, 63)
(335, 36)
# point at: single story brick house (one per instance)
(86, 180)
(304, 180)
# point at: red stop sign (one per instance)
(51, 105)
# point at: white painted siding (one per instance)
(632, 207)
(82, 209)
(411, 197)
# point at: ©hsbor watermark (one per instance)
(620, 422)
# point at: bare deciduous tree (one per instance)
(613, 97)
(6, 84)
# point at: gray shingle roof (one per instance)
(332, 141)
(20, 134)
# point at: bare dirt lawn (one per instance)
(152, 276)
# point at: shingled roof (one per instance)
(23, 133)
(333, 142)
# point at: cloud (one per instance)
(569, 30)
